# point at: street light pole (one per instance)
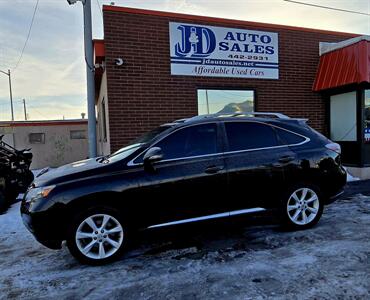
(25, 109)
(10, 92)
(89, 58)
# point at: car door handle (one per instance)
(213, 169)
(286, 159)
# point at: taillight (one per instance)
(334, 147)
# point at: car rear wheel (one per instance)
(302, 207)
(97, 236)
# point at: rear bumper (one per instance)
(41, 229)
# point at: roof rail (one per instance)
(240, 114)
(272, 114)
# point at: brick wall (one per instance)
(142, 94)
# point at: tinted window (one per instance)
(249, 135)
(289, 138)
(190, 141)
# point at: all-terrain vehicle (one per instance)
(15, 173)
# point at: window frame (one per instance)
(77, 138)
(36, 143)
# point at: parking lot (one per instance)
(239, 259)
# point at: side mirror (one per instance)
(153, 155)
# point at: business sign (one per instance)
(199, 50)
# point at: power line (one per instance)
(328, 7)
(28, 35)
(41, 114)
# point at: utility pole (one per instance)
(10, 92)
(90, 70)
(25, 110)
(89, 54)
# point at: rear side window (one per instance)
(190, 141)
(249, 135)
(289, 138)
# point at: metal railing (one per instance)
(236, 114)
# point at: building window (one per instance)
(212, 101)
(37, 138)
(343, 121)
(78, 134)
(104, 120)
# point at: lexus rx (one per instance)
(205, 167)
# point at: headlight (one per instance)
(37, 193)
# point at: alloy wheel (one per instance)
(303, 206)
(99, 236)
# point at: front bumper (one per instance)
(40, 225)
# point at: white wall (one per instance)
(58, 149)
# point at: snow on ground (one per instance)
(241, 259)
(350, 177)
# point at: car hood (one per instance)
(69, 172)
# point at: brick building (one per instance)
(147, 74)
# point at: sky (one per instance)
(51, 76)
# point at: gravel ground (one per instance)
(238, 259)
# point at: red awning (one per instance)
(344, 65)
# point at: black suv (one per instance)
(195, 169)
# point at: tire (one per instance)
(301, 207)
(100, 246)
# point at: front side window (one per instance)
(249, 135)
(190, 141)
(211, 101)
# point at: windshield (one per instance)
(123, 152)
(128, 150)
(149, 136)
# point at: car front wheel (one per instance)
(302, 207)
(97, 236)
